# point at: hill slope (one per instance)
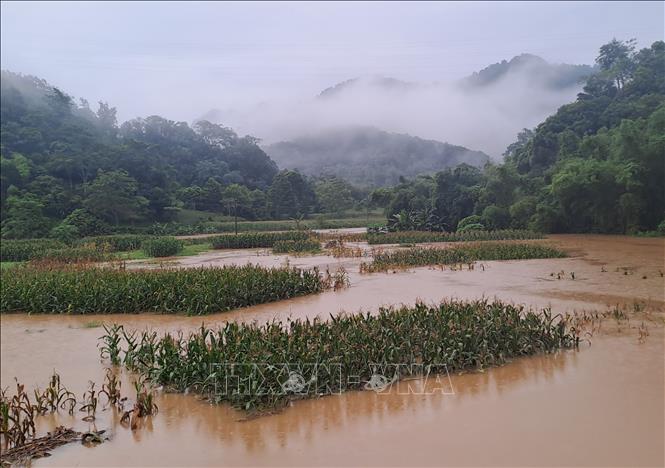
(537, 70)
(368, 156)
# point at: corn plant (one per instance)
(162, 246)
(255, 239)
(56, 396)
(193, 291)
(459, 335)
(296, 246)
(27, 249)
(73, 255)
(116, 243)
(111, 388)
(90, 400)
(17, 417)
(145, 404)
(462, 254)
(110, 347)
(414, 237)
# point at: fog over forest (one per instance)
(259, 68)
(481, 117)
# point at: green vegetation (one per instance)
(395, 343)
(414, 237)
(367, 157)
(596, 165)
(257, 239)
(116, 243)
(70, 255)
(162, 247)
(70, 172)
(295, 246)
(191, 291)
(21, 250)
(19, 412)
(467, 253)
(188, 250)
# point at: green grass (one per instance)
(187, 251)
(7, 265)
(339, 354)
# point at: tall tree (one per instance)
(112, 196)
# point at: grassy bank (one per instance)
(190, 291)
(467, 253)
(344, 353)
(188, 250)
(414, 237)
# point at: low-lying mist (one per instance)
(480, 117)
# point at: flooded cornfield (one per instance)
(602, 404)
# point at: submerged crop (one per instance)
(194, 291)
(414, 237)
(418, 256)
(250, 240)
(262, 367)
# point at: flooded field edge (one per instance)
(613, 389)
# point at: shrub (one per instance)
(86, 223)
(473, 219)
(65, 233)
(471, 227)
(495, 217)
(162, 246)
(193, 291)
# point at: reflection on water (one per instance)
(601, 405)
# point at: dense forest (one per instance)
(596, 165)
(367, 156)
(65, 166)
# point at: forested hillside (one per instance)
(553, 76)
(65, 166)
(370, 157)
(596, 165)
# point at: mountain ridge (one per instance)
(366, 155)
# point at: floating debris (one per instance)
(42, 446)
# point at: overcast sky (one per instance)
(179, 59)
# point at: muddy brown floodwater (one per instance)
(602, 405)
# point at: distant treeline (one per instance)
(596, 165)
(68, 170)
